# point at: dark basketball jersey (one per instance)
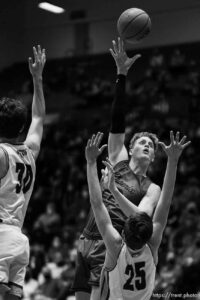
(132, 186)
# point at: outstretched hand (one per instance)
(37, 66)
(123, 62)
(92, 150)
(176, 147)
(111, 175)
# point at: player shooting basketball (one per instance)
(131, 259)
(132, 180)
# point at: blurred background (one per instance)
(163, 90)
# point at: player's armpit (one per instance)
(112, 240)
(34, 136)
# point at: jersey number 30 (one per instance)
(138, 275)
(25, 177)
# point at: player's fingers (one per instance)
(186, 144)
(30, 62)
(88, 143)
(122, 45)
(177, 137)
(39, 50)
(172, 137)
(102, 148)
(135, 57)
(43, 55)
(183, 139)
(108, 160)
(108, 166)
(112, 53)
(35, 54)
(115, 46)
(103, 173)
(119, 45)
(98, 138)
(93, 139)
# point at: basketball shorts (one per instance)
(14, 257)
(89, 262)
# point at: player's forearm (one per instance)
(100, 212)
(94, 186)
(118, 106)
(165, 199)
(126, 206)
(38, 105)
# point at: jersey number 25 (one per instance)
(138, 275)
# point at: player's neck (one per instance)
(135, 252)
(139, 167)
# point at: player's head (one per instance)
(138, 230)
(143, 145)
(13, 116)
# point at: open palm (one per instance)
(176, 147)
(37, 66)
(123, 62)
(92, 150)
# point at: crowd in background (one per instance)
(163, 93)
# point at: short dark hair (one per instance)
(13, 115)
(150, 135)
(138, 230)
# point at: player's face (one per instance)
(143, 148)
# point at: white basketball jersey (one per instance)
(133, 278)
(17, 185)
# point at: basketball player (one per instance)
(131, 178)
(131, 259)
(17, 175)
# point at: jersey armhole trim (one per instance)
(150, 248)
(7, 162)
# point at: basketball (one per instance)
(133, 25)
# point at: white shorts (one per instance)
(14, 257)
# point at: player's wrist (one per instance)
(91, 162)
(37, 77)
(113, 189)
(122, 71)
(173, 161)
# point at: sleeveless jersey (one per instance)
(132, 186)
(17, 185)
(132, 277)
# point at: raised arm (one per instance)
(173, 152)
(34, 136)
(116, 148)
(109, 234)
